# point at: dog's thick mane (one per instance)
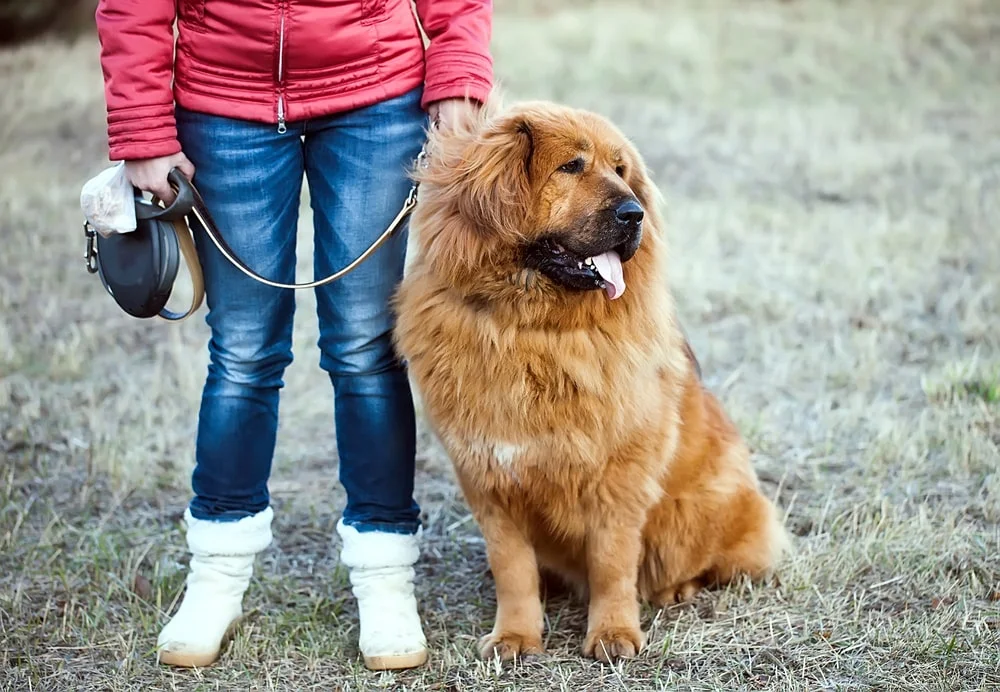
(473, 198)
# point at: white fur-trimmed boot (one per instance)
(222, 559)
(381, 572)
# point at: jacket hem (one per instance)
(297, 108)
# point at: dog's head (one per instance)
(553, 197)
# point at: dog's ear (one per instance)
(476, 191)
(494, 192)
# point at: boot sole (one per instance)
(188, 659)
(182, 659)
(396, 661)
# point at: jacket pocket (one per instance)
(372, 11)
(192, 12)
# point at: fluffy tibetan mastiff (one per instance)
(542, 339)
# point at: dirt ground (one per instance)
(832, 171)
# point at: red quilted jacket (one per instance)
(280, 60)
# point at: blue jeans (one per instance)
(250, 177)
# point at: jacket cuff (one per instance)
(142, 132)
(461, 75)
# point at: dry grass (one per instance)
(833, 177)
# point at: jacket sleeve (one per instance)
(459, 64)
(137, 57)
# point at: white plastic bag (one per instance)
(108, 203)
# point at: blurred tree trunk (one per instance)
(23, 20)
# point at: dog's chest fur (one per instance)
(522, 411)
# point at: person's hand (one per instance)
(447, 112)
(150, 175)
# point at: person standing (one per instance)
(258, 96)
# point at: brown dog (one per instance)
(541, 336)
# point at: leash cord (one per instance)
(200, 212)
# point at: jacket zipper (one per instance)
(281, 70)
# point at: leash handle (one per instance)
(189, 200)
(185, 196)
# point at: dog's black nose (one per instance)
(629, 212)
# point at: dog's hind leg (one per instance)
(756, 552)
(691, 549)
(679, 593)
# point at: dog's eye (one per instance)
(620, 170)
(572, 167)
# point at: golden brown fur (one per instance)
(579, 430)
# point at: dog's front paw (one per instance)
(507, 645)
(609, 644)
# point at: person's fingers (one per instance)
(134, 178)
(152, 175)
(186, 167)
(162, 190)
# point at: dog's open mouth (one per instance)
(600, 271)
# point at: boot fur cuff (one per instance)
(377, 549)
(246, 536)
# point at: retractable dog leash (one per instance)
(138, 268)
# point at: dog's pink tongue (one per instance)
(609, 266)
